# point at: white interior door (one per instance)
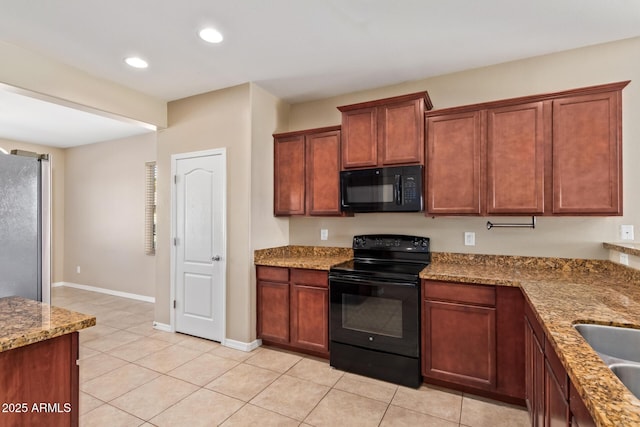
(200, 261)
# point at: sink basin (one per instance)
(613, 344)
(619, 348)
(629, 374)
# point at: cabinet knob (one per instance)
(215, 258)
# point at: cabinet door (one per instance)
(289, 176)
(510, 344)
(587, 154)
(273, 311)
(360, 138)
(515, 159)
(310, 310)
(580, 416)
(556, 403)
(401, 133)
(534, 377)
(454, 153)
(460, 344)
(323, 173)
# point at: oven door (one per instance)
(378, 315)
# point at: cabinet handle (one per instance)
(215, 258)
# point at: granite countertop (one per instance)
(564, 292)
(24, 321)
(310, 257)
(626, 248)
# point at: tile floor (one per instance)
(133, 375)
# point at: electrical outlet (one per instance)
(324, 234)
(78, 269)
(624, 259)
(469, 238)
(626, 232)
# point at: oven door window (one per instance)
(372, 315)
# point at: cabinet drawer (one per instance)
(459, 292)
(273, 274)
(318, 278)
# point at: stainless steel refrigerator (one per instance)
(25, 200)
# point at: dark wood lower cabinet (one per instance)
(293, 309)
(39, 383)
(551, 398)
(472, 338)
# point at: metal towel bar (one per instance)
(491, 225)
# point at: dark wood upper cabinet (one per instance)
(384, 132)
(307, 172)
(454, 160)
(587, 154)
(550, 154)
(515, 159)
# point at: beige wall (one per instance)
(104, 215)
(26, 70)
(57, 162)
(580, 237)
(219, 119)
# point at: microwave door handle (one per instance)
(397, 189)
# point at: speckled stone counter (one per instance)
(24, 321)
(563, 292)
(311, 257)
(625, 248)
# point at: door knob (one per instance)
(215, 258)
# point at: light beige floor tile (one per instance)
(145, 329)
(480, 412)
(118, 382)
(367, 387)
(122, 319)
(234, 354)
(88, 403)
(108, 416)
(199, 344)
(291, 397)
(111, 341)
(150, 399)
(275, 360)
(250, 415)
(243, 382)
(96, 331)
(342, 408)
(203, 408)
(430, 400)
(203, 369)
(401, 417)
(86, 352)
(138, 349)
(169, 358)
(316, 371)
(172, 337)
(97, 365)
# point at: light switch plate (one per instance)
(324, 234)
(624, 259)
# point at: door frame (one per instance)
(174, 165)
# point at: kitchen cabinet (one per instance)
(469, 333)
(587, 154)
(45, 372)
(293, 308)
(307, 172)
(551, 398)
(454, 160)
(550, 154)
(384, 132)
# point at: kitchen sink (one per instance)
(619, 348)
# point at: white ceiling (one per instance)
(301, 50)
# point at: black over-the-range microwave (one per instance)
(388, 189)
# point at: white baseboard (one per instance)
(162, 327)
(105, 291)
(242, 346)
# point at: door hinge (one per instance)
(175, 179)
(175, 241)
(174, 303)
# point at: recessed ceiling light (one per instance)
(210, 35)
(136, 62)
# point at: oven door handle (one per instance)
(355, 280)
